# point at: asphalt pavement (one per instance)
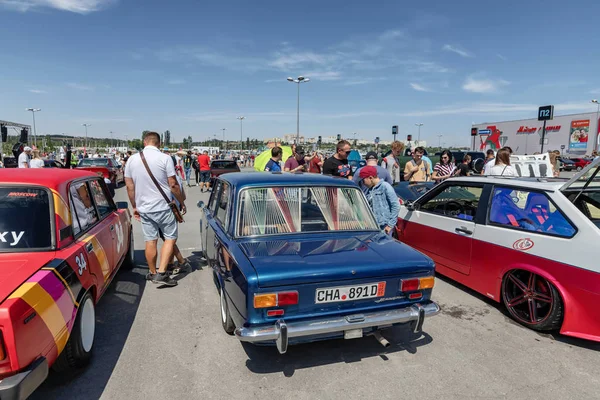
(168, 343)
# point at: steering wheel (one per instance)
(458, 208)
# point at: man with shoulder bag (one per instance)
(150, 178)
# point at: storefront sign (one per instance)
(529, 130)
(579, 134)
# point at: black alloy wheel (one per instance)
(532, 301)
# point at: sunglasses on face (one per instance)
(444, 158)
(348, 152)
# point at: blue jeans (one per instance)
(188, 174)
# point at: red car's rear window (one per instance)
(223, 165)
(25, 222)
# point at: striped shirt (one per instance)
(444, 169)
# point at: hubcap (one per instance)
(528, 297)
(223, 311)
(88, 324)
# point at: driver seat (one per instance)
(503, 210)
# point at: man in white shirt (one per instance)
(24, 157)
(149, 205)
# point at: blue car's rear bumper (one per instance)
(281, 331)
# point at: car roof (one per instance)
(551, 184)
(241, 179)
(51, 177)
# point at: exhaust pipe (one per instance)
(383, 341)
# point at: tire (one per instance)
(78, 350)
(532, 301)
(579, 169)
(129, 261)
(226, 321)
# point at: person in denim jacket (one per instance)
(382, 199)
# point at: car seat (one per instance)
(504, 211)
(537, 207)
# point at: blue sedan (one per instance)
(299, 258)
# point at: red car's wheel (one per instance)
(532, 301)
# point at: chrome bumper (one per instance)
(281, 331)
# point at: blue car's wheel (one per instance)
(226, 320)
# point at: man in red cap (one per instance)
(382, 199)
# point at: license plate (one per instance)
(350, 293)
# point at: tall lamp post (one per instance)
(419, 135)
(224, 129)
(298, 80)
(596, 102)
(86, 139)
(241, 118)
(33, 111)
(440, 141)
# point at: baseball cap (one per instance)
(368, 171)
(27, 148)
(371, 155)
(300, 150)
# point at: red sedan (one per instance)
(62, 241)
(580, 163)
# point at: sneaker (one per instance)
(183, 268)
(150, 276)
(164, 279)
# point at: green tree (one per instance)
(247, 143)
(144, 134)
(137, 144)
(167, 138)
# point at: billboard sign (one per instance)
(579, 134)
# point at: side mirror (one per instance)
(200, 204)
(411, 206)
(122, 205)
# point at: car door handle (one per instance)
(89, 247)
(464, 230)
(112, 228)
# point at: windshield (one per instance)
(93, 162)
(24, 219)
(270, 211)
(223, 165)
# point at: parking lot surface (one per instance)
(168, 343)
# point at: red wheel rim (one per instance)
(528, 297)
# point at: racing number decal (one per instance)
(81, 263)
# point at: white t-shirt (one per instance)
(488, 165)
(502, 170)
(147, 197)
(36, 163)
(23, 159)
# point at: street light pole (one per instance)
(241, 118)
(440, 141)
(86, 139)
(298, 80)
(419, 136)
(597, 124)
(111, 139)
(224, 129)
(33, 111)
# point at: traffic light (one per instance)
(339, 137)
(4, 131)
(24, 134)
(395, 130)
(319, 141)
(473, 131)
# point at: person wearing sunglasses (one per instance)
(337, 164)
(445, 168)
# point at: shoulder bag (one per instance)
(172, 205)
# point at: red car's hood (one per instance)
(16, 268)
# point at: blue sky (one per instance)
(193, 67)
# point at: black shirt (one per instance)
(464, 169)
(335, 167)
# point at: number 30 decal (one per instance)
(81, 263)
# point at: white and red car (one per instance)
(529, 243)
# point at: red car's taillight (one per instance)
(414, 284)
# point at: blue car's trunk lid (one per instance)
(313, 259)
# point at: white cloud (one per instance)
(419, 88)
(176, 82)
(500, 56)
(228, 116)
(79, 86)
(595, 91)
(324, 75)
(37, 91)
(76, 6)
(474, 85)
(363, 81)
(459, 51)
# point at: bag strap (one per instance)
(153, 178)
(502, 174)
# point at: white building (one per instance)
(572, 134)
